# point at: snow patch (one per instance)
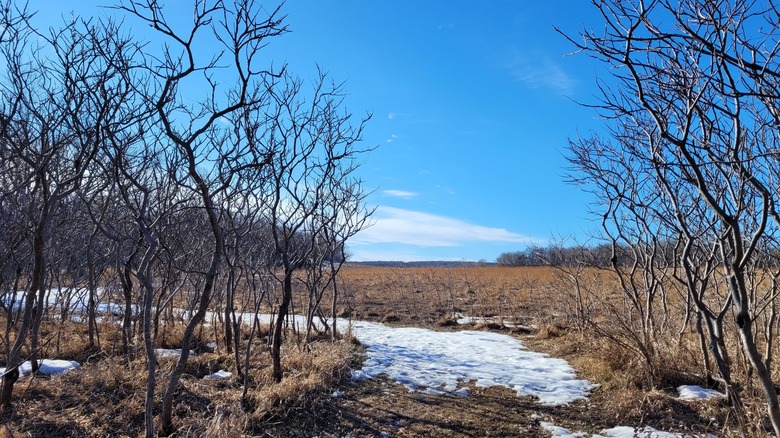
(561, 432)
(694, 392)
(644, 432)
(500, 320)
(170, 352)
(440, 362)
(221, 374)
(617, 432)
(50, 367)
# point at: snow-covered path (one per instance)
(440, 361)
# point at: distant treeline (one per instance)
(557, 255)
(422, 264)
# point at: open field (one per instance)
(433, 296)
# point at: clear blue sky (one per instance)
(472, 106)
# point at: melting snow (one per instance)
(170, 352)
(641, 432)
(221, 374)
(693, 392)
(441, 361)
(500, 320)
(615, 432)
(561, 432)
(47, 366)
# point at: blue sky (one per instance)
(472, 105)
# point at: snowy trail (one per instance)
(440, 361)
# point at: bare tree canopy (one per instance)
(691, 158)
(191, 180)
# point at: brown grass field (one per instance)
(105, 396)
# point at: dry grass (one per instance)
(105, 398)
(544, 298)
(427, 295)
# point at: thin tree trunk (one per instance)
(228, 324)
(144, 272)
(276, 346)
(745, 325)
(15, 355)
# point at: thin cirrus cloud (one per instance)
(403, 194)
(540, 72)
(396, 225)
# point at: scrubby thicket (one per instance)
(178, 182)
(687, 177)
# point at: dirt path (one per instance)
(381, 407)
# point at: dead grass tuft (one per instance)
(549, 331)
(308, 373)
(446, 322)
(391, 317)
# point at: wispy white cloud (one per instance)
(364, 254)
(412, 117)
(540, 72)
(403, 194)
(446, 189)
(397, 115)
(396, 225)
(391, 138)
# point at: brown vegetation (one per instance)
(580, 314)
(105, 396)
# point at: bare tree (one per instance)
(174, 170)
(60, 96)
(315, 148)
(341, 214)
(695, 87)
(234, 81)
